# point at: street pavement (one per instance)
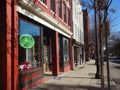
(115, 71)
(81, 78)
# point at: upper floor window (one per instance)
(69, 17)
(64, 11)
(52, 5)
(60, 8)
(43, 1)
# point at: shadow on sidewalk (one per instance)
(65, 87)
(118, 67)
(90, 63)
(78, 77)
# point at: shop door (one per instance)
(46, 58)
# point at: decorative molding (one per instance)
(29, 9)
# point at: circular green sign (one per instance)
(27, 41)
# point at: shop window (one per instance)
(65, 49)
(52, 5)
(29, 45)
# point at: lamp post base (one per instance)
(97, 76)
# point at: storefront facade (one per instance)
(36, 41)
(78, 53)
(78, 34)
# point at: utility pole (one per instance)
(100, 52)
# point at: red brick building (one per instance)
(86, 25)
(35, 38)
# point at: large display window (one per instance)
(64, 51)
(29, 45)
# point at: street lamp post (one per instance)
(108, 71)
(97, 75)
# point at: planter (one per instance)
(29, 78)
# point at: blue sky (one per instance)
(28, 28)
(113, 17)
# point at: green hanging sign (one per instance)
(26, 41)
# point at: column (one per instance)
(55, 54)
(14, 46)
(8, 45)
(71, 54)
(5, 45)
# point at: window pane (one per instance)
(69, 17)
(64, 11)
(52, 5)
(60, 8)
(29, 55)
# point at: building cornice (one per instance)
(27, 7)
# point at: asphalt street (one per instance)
(115, 71)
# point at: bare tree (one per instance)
(101, 8)
(114, 44)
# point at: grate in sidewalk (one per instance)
(57, 78)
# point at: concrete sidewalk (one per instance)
(82, 78)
